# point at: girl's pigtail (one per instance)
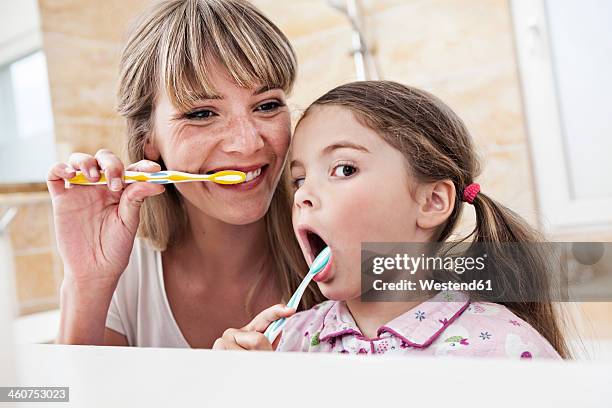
(521, 264)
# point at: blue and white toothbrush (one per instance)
(321, 262)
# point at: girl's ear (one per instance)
(151, 151)
(436, 203)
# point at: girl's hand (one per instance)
(95, 226)
(251, 337)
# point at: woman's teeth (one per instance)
(252, 174)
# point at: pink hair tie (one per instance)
(470, 192)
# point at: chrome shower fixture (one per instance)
(365, 66)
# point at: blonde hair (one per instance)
(172, 47)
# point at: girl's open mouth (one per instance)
(316, 243)
(312, 242)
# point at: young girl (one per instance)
(382, 162)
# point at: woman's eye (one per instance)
(269, 106)
(344, 170)
(201, 114)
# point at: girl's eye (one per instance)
(201, 114)
(297, 183)
(269, 106)
(344, 170)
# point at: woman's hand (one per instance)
(251, 337)
(95, 226)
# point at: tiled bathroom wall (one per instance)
(38, 270)
(461, 51)
(82, 41)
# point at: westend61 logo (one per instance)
(498, 272)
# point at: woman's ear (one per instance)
(151, 151)
(436, 203)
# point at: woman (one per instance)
(203, 87)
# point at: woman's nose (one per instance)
(242, 137)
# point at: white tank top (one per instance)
(139, 308)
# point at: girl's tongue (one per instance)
(326, 273)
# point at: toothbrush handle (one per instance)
(276, 326)
(274, 329)
(165, 177)
(130, 177)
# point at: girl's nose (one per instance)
(243, 137)
(306, 199)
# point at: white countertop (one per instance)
(146, 377)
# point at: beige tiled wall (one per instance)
(82, 41)
(38, 271)
(462, 53)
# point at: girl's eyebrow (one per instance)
(295, 163)
(343, 144)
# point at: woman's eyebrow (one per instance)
(264, 88)
(208, 97)
(203, 97)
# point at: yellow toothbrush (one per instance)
(166, 177)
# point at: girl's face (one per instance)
(244, 129)
(351, 187)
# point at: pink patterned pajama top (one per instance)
(447, 324)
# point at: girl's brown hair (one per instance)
(437, 146)
(172, 47)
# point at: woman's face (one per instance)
(244, 129)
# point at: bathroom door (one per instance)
(564, 50)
